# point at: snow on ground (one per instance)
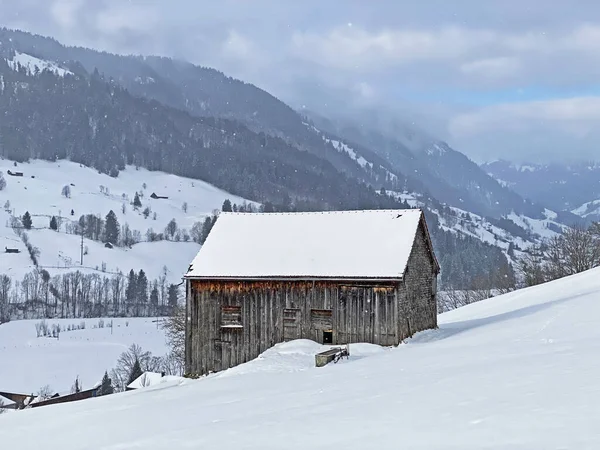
(518, 371)
(27, 362)
(95, 193)
(31, 63)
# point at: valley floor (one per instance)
(514, 372)
(27, 362)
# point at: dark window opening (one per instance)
(327, 337)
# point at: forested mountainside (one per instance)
(559, 186)
(57, 108)
(415, 158)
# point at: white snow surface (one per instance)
(149, 379)
(60, 252)
(518, 372)
(344, 244)
(31, 63)
(27, 362)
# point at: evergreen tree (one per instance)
(227, 206)
(111, 228)
(142, 288)
(136, 372)
(154, 297)
(106, 387)
(131, 290)
(137, 203)
(27, 222)
(53, 223)
(173, 295)
(206, 227)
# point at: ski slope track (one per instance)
(518, 371)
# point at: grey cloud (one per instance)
(354, 54)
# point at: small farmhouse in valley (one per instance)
(333, 277)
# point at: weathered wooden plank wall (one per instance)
(272, 312)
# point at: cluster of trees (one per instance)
(574, 251)
(80, 295)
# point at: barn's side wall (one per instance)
(233, 322)
(417, 294)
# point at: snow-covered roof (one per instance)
(373, 244)
(151, 379)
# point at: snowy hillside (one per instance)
(518, 230)
(514, 372)
(29, 362)
(39, 190)
(589, 210)
(33, 64)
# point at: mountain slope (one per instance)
(517, 371)
(446, 174)
(39, 192)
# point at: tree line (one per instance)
(83, 295)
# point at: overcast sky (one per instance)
(518, 79)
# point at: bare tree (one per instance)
(76, 386)
(174, 327)
(530, 267)
(2, 182)
(45, 392)
(66, 191)
(184, 207)
(120, 374)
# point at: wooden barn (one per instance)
(333, 277)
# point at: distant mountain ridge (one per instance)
(558, 186)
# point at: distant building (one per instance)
(154, 196)
(11, 250)
(333, 277)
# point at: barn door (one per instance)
(291, 324)
(321, 325)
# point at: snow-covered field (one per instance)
(95, 193)
(518, 371)
(28, 363)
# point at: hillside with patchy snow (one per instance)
(39, 191)
(514, 372)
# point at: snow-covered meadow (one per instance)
(28, 362)
(97, 194)
(519, 371)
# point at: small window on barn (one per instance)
(231, 317)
